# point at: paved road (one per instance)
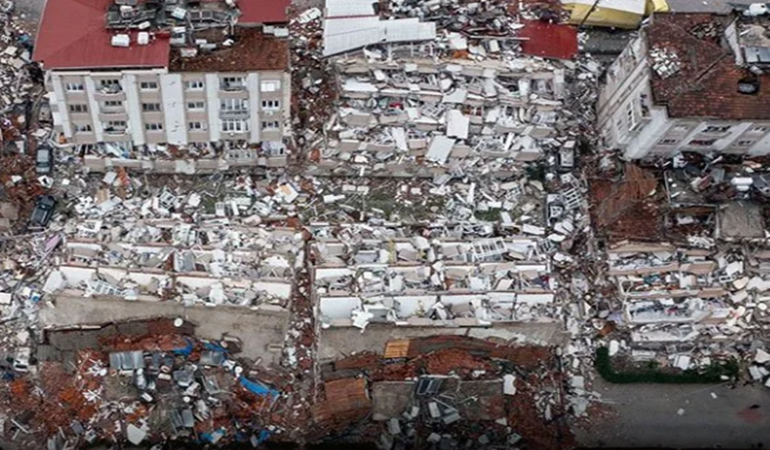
(647, 416)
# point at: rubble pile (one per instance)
(447, 391)
(144, 388)
(437, 276)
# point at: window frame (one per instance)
(152, 127)
(148, 86)
(146, 109)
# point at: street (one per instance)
(680, 416)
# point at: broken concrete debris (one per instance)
(446, 178)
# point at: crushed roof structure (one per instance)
(695, 75)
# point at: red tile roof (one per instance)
(706, 84)
(73, 35)
(548, 40)
(263, 11)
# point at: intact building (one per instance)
(138, 79)
(690, 82)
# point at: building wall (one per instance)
(153, 106)
(630, 122)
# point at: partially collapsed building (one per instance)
(143, 80)
(690, 82)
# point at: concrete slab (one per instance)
(391, 398)
(339, 342)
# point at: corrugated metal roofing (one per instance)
(73, 35)
(263, 11)
(346, 34)
(350, 8)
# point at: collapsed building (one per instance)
(421, 92)
(130, 82)
(434, 279)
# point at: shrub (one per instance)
(711, 374)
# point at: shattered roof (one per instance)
(72, 35)
(706, 83)
(252, 50)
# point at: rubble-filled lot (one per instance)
(443, 182)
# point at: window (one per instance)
(270, 86)
(234, 126)
(271, 104)
(631, 116)
(113, 104)
(681, 128)
(110, 85)
(74, 87)
(150, 107)
(702, 142)
(745, 143)
(196, 105)
(716, 129)
(234, 104)
(195, 126)
(153, 126)
(194, 85)
(78, 108)
(232, 83)
(668, 142)
(148, 86)
(115, 126)
(758, 129)
(271, 125)
(83, 128)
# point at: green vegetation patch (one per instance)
(652, 374)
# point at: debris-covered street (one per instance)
(408, 224)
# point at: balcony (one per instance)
(234, 114)
(113, 130)
(106, 94)
(232, 87)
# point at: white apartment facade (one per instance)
(698, 108)
(153, 106)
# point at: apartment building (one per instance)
(690, 82)
(164, 78)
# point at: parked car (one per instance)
(43, 210)
(44, 116)
(44, 160)
(21, 359)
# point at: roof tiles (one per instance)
(73, 35)
(706, 84)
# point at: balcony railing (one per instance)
(234, 114)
